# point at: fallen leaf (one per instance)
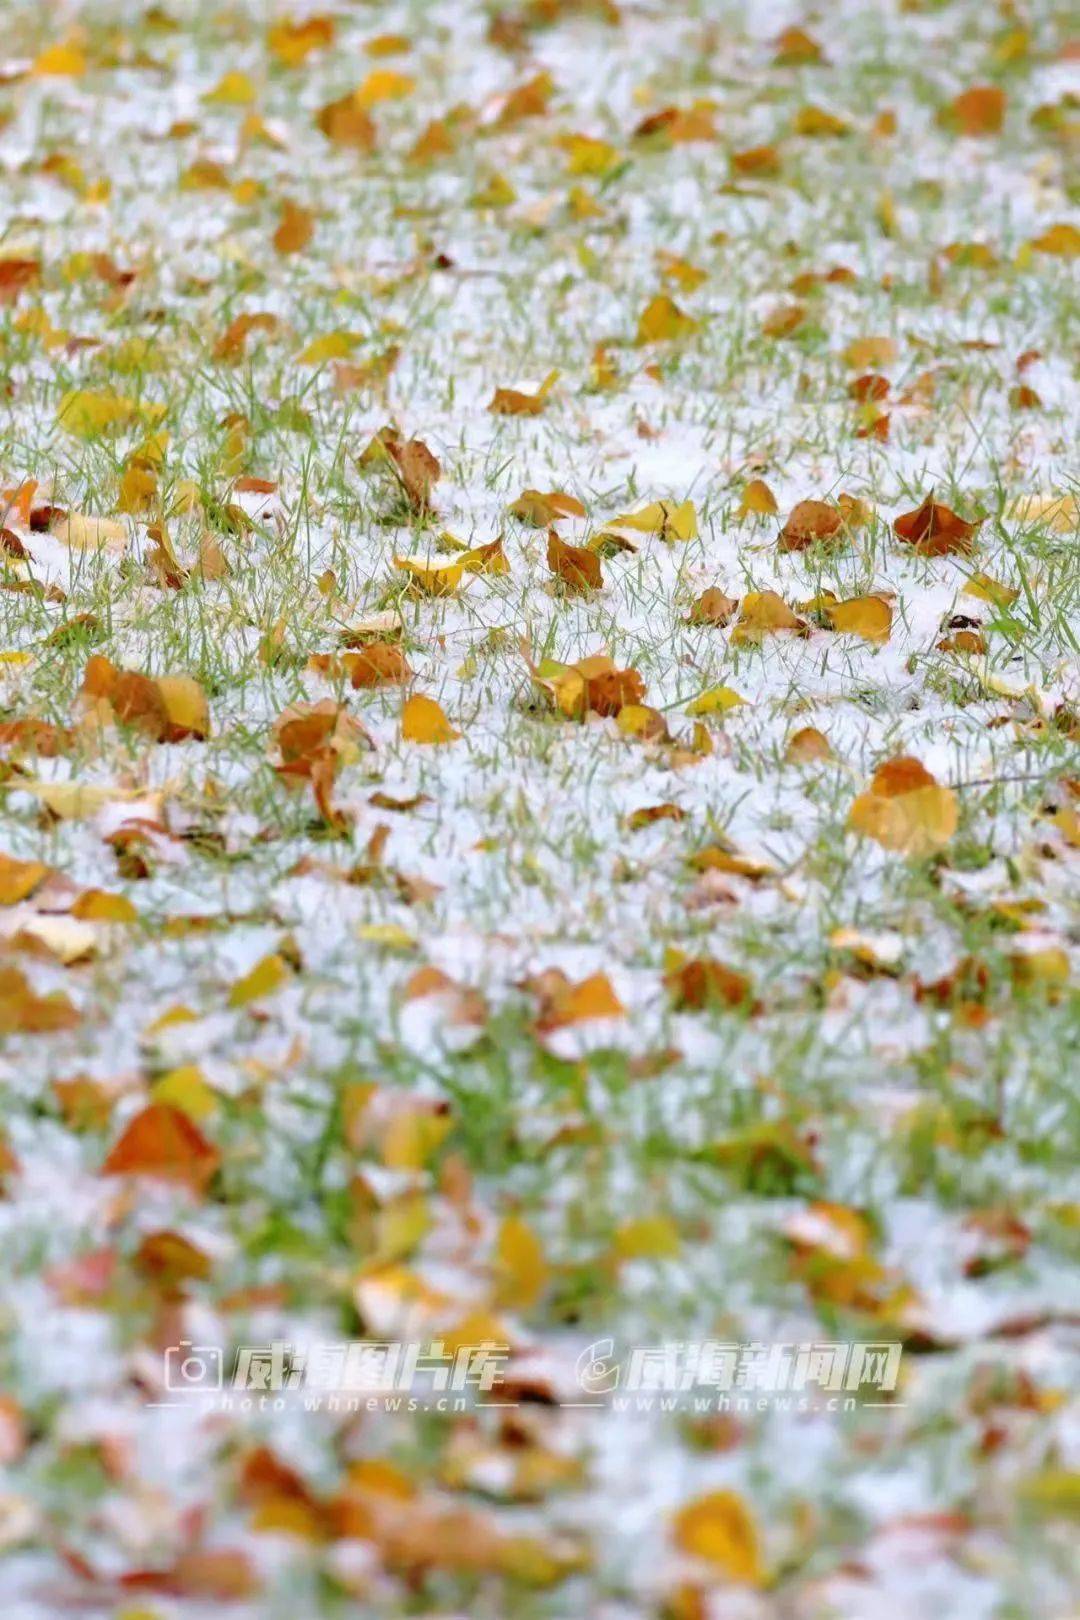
(574, 565)
(511, 402)
(423, 721)
(978, 111)
(162, 1142)
(662, 321)
(935, 530)
(905, 809)
(541, 510)
(763, 613)
(758, 498)
(808, 522)
(718, 1528)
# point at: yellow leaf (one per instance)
(639, 720)
(719, 1529)
(87, 414)
(268, 975)
(650, 1237)
(60, 62)
(331, 346)
(761, 613)
(870, 353)
(670, 521)
(19, 879)
(806, 746)
(587, 156)
(991, 590)
(391, 936)
(85, 533)
(412, 1136)
(522, 1271)
(98, 905)
(185, 1088)
(866, 616)
(758, 498)
(185, 704)
(295, 228)
(662, 321)
(383, 84)
(66, 938)
(905, 809)
(717, 700)
(70, 801)
(432, 579)
(423, 721)
(231, 90)
(1061, 240)
(1059, 512)
(292, 42)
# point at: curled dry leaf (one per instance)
(905, 809)
(377, 663)
(592, 684)
(810, 521)
(935, 529)
(512, 402)
(540, 510)
(577, 567)
(347, 123)
(700, 982)
(169, 709)
(564, 1002)
(713, 607)
(807, 746)
(978, 111)
(417, 469)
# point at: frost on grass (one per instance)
(538, 741)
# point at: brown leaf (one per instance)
(935, 530)
(418, 470)
(346, 123)
(574, 565)
(702, 982)
(808, 522)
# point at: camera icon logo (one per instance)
(194, 1367)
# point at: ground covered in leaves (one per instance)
(538, 719)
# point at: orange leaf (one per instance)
(164, 1142)
(935, 530)
(574, 565)
(978, 111)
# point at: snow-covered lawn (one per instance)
(484, 863)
